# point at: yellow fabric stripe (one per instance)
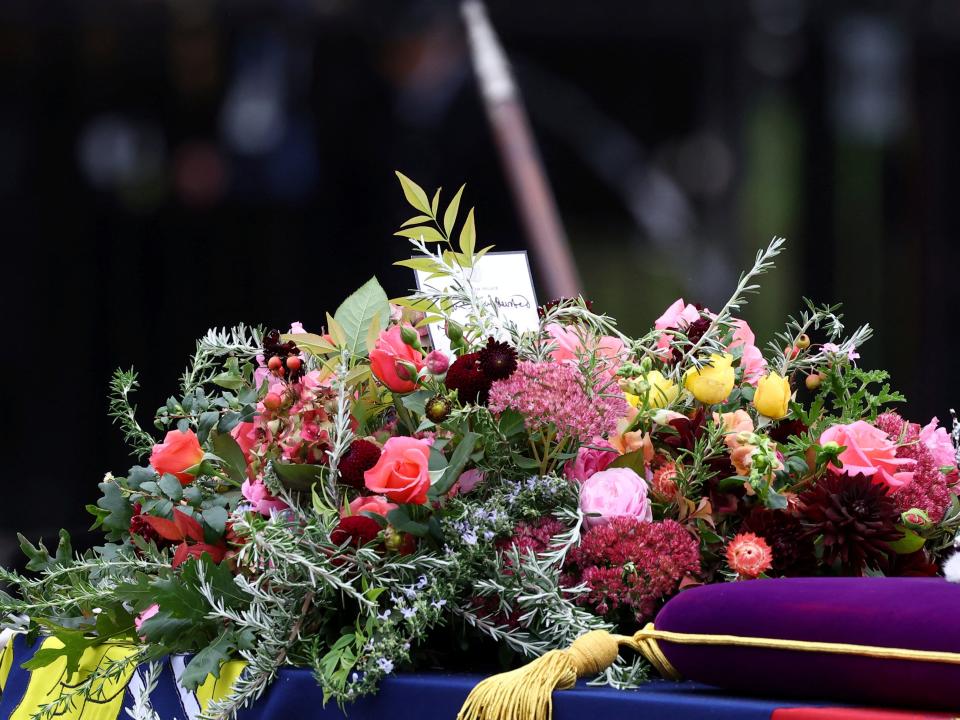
(6, 662)
(213, 688)
(49, 683)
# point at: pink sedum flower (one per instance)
(869, 451)
(615, 492)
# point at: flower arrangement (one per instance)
(338, 500)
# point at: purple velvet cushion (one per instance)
(915, 613)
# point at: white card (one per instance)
(503, 278)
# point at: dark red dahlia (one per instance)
(356, 529)
(497, 360)
(468, 379)
(785, 429)
(694, 331)
(550, 305)
(793, 550)
(359, 457)
(856, 519)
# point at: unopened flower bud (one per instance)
(813, 381)
(410, 336)
(803, 342)
(454, 331)
(915, 518)
(406, 370)
(437, 363)
(392, 539)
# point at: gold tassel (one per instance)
(527, 693)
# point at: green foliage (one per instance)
(367, 307)
(122, 384)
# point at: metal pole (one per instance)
(518, 152)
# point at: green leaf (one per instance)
(417, 219)
(435, 205)
(208, 661)
(39, 556)
(468, 236)
(424, 264)
(216, 518)
(416, 402)
(139, 475)
(311, 342)
(356, 314)
(421, 232)
(336, 330)
(909, 543)
(400, 519)
(171, 487)
(414, 194)
(117, 522)
(206, 422)
(228, 450)
(450, 215)
(511, 423)
(631, 460)
(297, 477)
(458, 461)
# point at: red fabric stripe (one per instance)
(822, 713)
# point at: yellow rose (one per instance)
(772, 397)
(713, 382)
(663, 391)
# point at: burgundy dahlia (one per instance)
(468, 379)
(856, 519)
(359, 457)
(793, 551)
(497, 360)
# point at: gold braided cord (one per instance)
(874, 651)
(525, 693)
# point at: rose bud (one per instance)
(437, 362)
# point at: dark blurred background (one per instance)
(167, 166)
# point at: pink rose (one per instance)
(402, 472)
(939, 443)
(752, 361)
(386, 358)
(376, 504)
(569, 347)
(590, 460)
(615, 492)
(177, 452)
(260, 499)
(869, 451)
(145, 615)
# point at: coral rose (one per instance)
(177, 452)
(869, 451)
(615, 492)
(402, 472)
(375, 504)
(388, 357)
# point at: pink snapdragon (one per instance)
(570, 348)
(260, 499)
(751, 361)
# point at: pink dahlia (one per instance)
(550, 392)
(632, 565)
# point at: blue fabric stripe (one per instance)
(18, 679)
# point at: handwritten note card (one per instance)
(500, 277)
